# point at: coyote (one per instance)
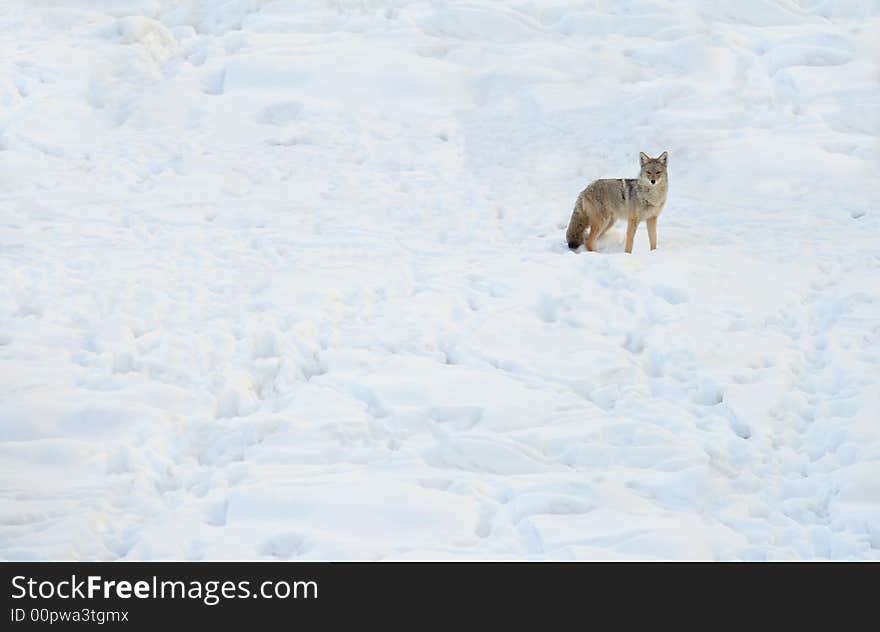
(604, 201)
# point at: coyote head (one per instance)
(653, 169)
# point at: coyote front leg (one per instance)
(631, 233)
(652, 232)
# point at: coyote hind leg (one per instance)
(595, 231)
(598, 228)
(608, 224)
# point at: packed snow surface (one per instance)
(288, 280)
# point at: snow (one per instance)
(287, 280)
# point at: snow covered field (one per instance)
(287, 280)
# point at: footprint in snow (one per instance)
(671, 295)
(284, 546)
(708, 393)
(215, 513)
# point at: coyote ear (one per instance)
(643, 157)
(663, 157)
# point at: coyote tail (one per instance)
(579, 223)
